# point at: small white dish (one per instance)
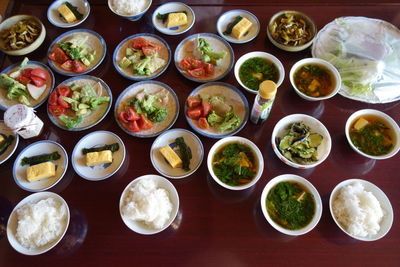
(12, 224)
(173, 7)
(168, 138)
(230, 16)
(315, 125)
(39, 148)
(9, 151)
(57, 20)
(139, 226)
(384, 202)
(300, 180)
(99, 172)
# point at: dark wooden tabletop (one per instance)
(214, 227)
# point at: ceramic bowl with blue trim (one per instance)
(173, 7)
(55, 18)
(166, 98)
(91, 117)
(133, 13)
(92, 41)
(36, 101)
(95, 140)
(168, 138)
(229, 16)
(7, 151)
(122, 54)
(35, 149)
(223, 98)
(187, 49)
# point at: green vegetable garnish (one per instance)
(164, 16)
(207, 54)
(256, 70)
(71, 122)
(15, 89)
(231, 25)
(184, 153)
(6, 142)
(40, 158)
(113, 147)
(149, 106)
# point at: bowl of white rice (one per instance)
(38, 223)
(149, 204)
(361, 209)
(129, 9)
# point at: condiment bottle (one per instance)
(263, 102)
(22, 119)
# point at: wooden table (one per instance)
(214, 227)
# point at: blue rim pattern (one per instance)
(62, 36)
(44, 66)
(52, 6)
(227, 86)
(121, 143)
(211, 35)
(141, 78)
(87, 77)
(121, 95)
(18, 159)
(179, 32)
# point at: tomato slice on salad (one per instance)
(67, 65)
(209, 68)
(193, 101)
(26, 72)
(144, 123)
(139, 42)
(195, 63)
(62, 102)
(185, 64)
(206, 108)
(23, 79)
(53, 99)
(39, 82)
(78, 66)
(64, 90)
(38, 72)
(197, 73)
(131, 115)
(58, 55)
(133, 126)
(56, 110)
(194, 113)
(203, 123)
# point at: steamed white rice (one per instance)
(40, 223)
(358, 210)
(145, 202)
(129, 7)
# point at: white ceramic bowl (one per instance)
(390, 123)
(54, 17)
(315, 125)
(384, 202)
(236, 139)
(133, 17)
(264, 55)
(173, 7)
(99, 172)
(139, 226)
(13, 223)
(12, 147)
(298, 179)
(306, 61)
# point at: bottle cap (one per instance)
(267, 89)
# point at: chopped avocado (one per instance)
(83, 106)
(82, 111)
(76, 95)
(85, 61)
(129, 51)
(124, 63)
(74, 86)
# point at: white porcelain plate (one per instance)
(56, 19)
(173, 7)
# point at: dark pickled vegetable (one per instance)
(113, 147)
(184, 153)
(40, 158)
(291, 29)
(6, 142)
(164, 16)
(232, 24)
(256, 70)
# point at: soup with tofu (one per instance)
(372, 135)
(235, 164)
(314, 80)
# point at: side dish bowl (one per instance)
(131, 17)
(173, 7)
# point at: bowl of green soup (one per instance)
(291, 204)
(253, 68)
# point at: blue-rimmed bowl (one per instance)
(6, 103)
(149, 87)
(95, 42)
(38, 148)
(9, 151)
(230, 16)
(99, 172)
(95, 116)
(131, 17)
(218, 44)
(173, 7)
(233, 97)
(56, 19)
(119, 52)
(168, 138)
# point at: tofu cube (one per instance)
(241, 28)
(314, 85)
(173, 159)
(40, 171)
(176, 19)
(98, 158)
(361, 123)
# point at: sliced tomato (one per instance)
(56, 110)
(139, 42)
(203, 123)
(131, 115)
(193, 101)
(78, 66)
(209, 68)
(155, 46)
(148, 50)
(40, 73)
(22, 79)
(144, 123)
(52, 56)
(39, 82)
(58, 55)
(196, 73)
(62, 102)
(67, 65)
(206, 108)
(195, 63)
(26, 72)
(53, 99)
(133, 126)
(64, 90)
(121, 117)
(194, 113)
(185, 64)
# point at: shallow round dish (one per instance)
(232, 97)
(139, 226)
(119, 53)
(91, 118)
(173, 7)
(94, 41)
(12, 147)
(12, 224)
(389, 121)
(103, 171)
(9, 22)
(292, 48)
(6, 103)
(39, 148)
(229, 16)
(315, 125)
(57, 20)
(384, 202)
(263, 55)
(316, 61)
(300, 180)
(149, 87)
(131, 17)
(168, 138)
(218, 44)
(241, 140)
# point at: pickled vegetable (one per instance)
(20, 35)
(291, 29)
